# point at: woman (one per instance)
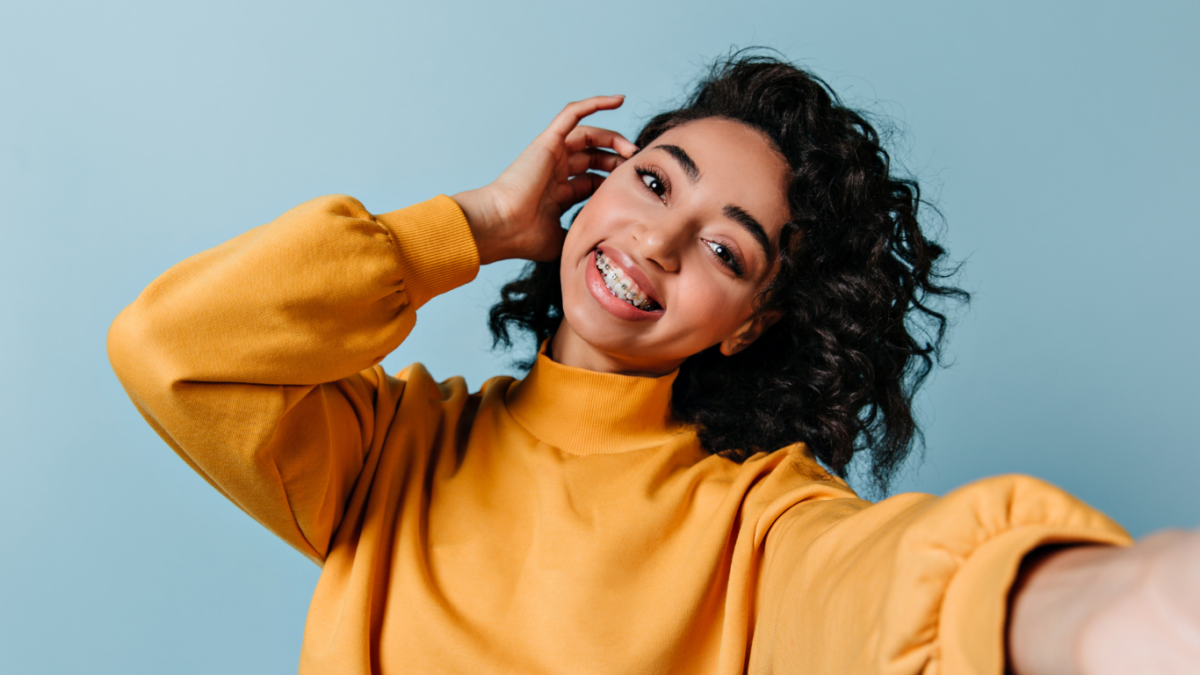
(739, 298)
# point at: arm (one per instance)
(1109, 611)
(913, 584)
(256, 361)
(253, 360)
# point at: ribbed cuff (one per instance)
(435, 245)
(973, 622)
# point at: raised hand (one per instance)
(518, 214)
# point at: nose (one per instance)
(661, 242)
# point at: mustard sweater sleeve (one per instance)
(913, 584)
(256, 360)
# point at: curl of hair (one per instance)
(857, 288)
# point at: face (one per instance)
(668, 256)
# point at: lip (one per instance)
(627, 266)
(616, 307)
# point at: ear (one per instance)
(749, 331)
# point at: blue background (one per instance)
(1059, 139)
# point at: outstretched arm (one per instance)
(1110, 611)
(913, 584)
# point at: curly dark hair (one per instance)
(857, 286)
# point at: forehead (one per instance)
(738, 165)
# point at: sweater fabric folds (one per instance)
(562, 523)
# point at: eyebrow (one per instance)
(751, 225)
(734, 213)
(685, 160)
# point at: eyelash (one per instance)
(664, 184)
(733, 263)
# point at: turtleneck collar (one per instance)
(584, 412)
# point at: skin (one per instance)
(705, 268)
(678, 241)
(1096, 610)
(1075, 611)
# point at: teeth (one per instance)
(622, 286)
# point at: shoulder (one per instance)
(414, 388)
(794, 468)
(420, 381)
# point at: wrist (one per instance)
(485, 223)
(1059, 592)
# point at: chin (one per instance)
(600, 331)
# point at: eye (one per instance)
(726, 256)
(653, 181)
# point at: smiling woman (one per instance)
(740, 297)
(761, 201)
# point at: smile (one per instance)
(621, 286)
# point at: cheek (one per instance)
(587, 224)
(575, 236)
(712, 308)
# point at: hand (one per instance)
(518, 215)
(1109, 611)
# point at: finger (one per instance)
(577, 189)
(569, 118)
(594, 159)
(594, 137)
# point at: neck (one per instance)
(567, 348)
(584, 412)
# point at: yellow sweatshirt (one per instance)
(558, 524)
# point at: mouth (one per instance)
(622, 286)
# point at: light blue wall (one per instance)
(1060, 140)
